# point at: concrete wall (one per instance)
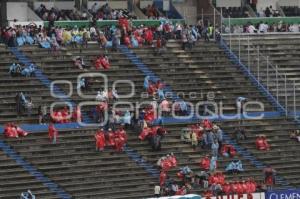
(289, 2)
(17, 10)
(32, 16)
(262, 4)
(145, 3)
(63, 5)
(229, 3)
(112, 4)
(187, 9)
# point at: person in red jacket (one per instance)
(206, 124)
(162, 178)
(100, 140)
(76, 115)
(53, 133)
(111, 138)
(227, 189)
(228, 150)
(102, 62)
(262, 143)
(269, 173)
(204, 163)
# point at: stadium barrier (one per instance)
(110, 23)
(256, 20)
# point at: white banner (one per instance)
(25, 23)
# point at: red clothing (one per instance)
(144, 134)
(52, 131)
(226, 188)
(205, 163)
(227, 148)
(207, 124)
(76, 115)
(151, 89)
(100, 140)
(111, 139)
(162, 178)
(262, 143)
(102, 62)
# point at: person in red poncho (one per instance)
(262, 143)
(13, 131)
(206, 124)
(111, 138)
(102, 62)
(269, 173)
(76, 115)
(53, 133)
(100, 140)
(148, 36)
(65, 115)
(204, 163)
(120, 139)
(228, 150)
(162, 178)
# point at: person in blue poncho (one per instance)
(235, 167)
(28, 71)
(146, 82)
(126, 119)
(15, 69)
(27, 195)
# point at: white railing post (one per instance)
(248, 53)
(295, 111)
(214, 23)
(258, 63)
(221, 26)
(240, 47)
(268, 72)
(229, 33)
(286, 102)
(277, 82)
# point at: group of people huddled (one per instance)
(105, 12)
(17, 70)
(116, 139)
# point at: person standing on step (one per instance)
(269, 174)
(215, 148)
(53, 133)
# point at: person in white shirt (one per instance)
(157, 191)
(263, 28)
(251, 29)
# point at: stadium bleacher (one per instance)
(197, 65)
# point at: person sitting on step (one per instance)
(28, 71)
(15, 69)
(79, 63)
(262, 143)
(235, 167)
(295, 135)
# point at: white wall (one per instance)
(145, 3)
(112, 4)
(262, 4)
(62, 5)
(289, 2)
(32, 16)
(17, 10)
(188, 10)
(229, 3)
